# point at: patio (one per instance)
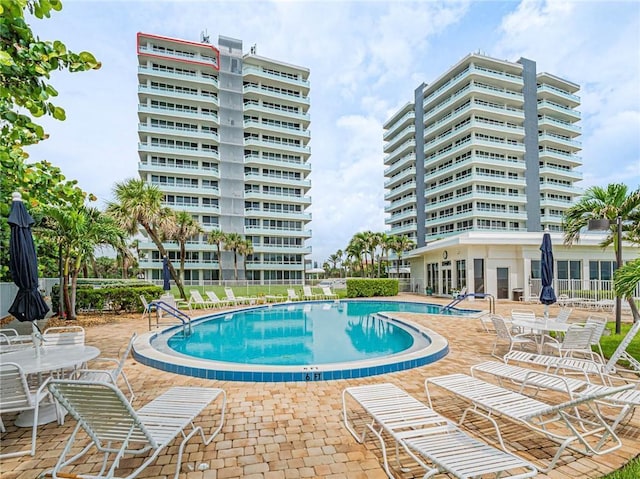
(295, 430)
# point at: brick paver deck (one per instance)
(295, 430)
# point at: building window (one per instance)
(461, 274)
(601, 270)
(569, 269)
(478, 275)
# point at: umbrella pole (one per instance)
(36, 336)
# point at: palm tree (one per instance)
(332, 263)
(245, 248)
(233, 242)
(625, 282)
(181, 229)
(400, 244)
(217, 237)
(355, 249)
(140, 204)
(613, 202)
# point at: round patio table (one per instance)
(50, 359)
(540, 327)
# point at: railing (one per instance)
(157, 306)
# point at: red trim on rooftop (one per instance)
(216, 52)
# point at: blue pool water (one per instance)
(313, 333)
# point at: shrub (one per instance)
(116, 298)
(366, 288)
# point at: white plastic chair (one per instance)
(327, 293)
(307, 293)
(503, 333)
(63, 336)
(599, 324)
(111, 374)
(116, 429)
(15, 396)
(576, 340)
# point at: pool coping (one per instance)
(145, 353)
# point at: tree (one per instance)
(26, 62)
(355, 249)
(245, 248)
(625, 282)
(140, 204)
(233, 242)
(610, 203)
(400, 244)
(217, 237)
(181, 228)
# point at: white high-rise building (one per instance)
(225, 136)
(490, 145)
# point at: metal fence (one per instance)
(8, 293)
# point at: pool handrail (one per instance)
(157, 305)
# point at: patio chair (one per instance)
(63, 336)
(556, 363)
(307, 293)
(292, 295)
(599, 324)
(577, 340)
(587, 434)
(627, 401)
(621, 354)
(503, 333)
(563, 315)
(327, 293)
(430, 439)
(110, 374)
(215, 300)
(114, 427)
(197, 301)
(15, 396)
(145, 305)
(231, 297)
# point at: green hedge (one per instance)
(366, 288)
(112, 298)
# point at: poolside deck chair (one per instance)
(430, 439)
(231, 297)
(110, 374)
(563, 315)
(215, 300)
(557, 363)
(573, 387)
(292, 295)
(114, 427)
(587, 434)
(621, 354)
(599, 324)
(15, 396)
(197, 301)
(327, 293)
(307, 293)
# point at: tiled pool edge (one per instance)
(146, 354)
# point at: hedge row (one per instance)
(117, 299)
(366, 288)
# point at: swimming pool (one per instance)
(302, 341)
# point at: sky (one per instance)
(365, 58)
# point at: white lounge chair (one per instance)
(621, 354)
(110, 374)
(503, 333)
(231, 297)
(114, 427)
(292, 295)
(433, 441)
(15, 396)
(556, 363)
(573, 387)
(197, 301)
(599, 325)
(215, 300)
(557, 422)
(327, 293)
(307, 293)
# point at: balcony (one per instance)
(264, 91)
(406, 118)
(177, 113)
(263, 231)
(288, 164)
(196, 77)
(399, 190)
(548, 138)
(262, 126)
(178, 150)
(407, 147)
(395, 204)
(279, 77)
(289, 114)
(408, 132)
(398, 178)
(402, 163)
(178, 131)
(154, 167)
(260, 195)
(173, 94)
(277, 180)
(277, 145)
(548, 91)
(275, 214)
(549, 108)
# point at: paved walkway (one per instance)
(295, 430)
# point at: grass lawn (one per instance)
(610, 343)
(630, 471)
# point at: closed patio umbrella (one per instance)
(28, 304)
(165, 274)
(547, 295)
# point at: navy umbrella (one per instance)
(23, 265)
(165, 274)
(547, 295)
